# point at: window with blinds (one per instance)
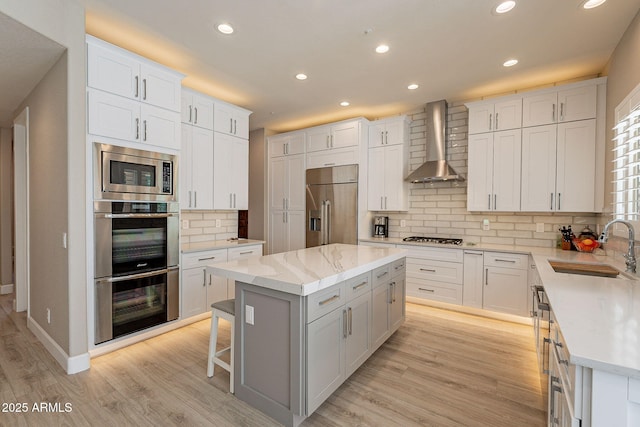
(626, 167)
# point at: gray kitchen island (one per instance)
(307, 319)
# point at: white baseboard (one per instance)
(6, 289)
(71, 365)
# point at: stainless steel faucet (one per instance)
(631, 254)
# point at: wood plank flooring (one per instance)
(440, 369)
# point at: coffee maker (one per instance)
(381, 226)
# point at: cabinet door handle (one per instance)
(381, 138)
(356, 287)
(551, 206)
(328, 141)
(189, 198)
(393, 292)
(553, 112)
(495, 202)
(381, 202)
(137, 86)
(490, 121)
(561, 111)
(195, 120)
(489, 201)
(137, 128)
(204, 277)
(210, 280)
(390, 301)
(144, 89)
(344, 323)
(329, 300)
(486, 277)
(195, 199)
(350, 314)
(230, 125)
(190, 113)
(385, 202)
(386, 137)
(230, 200)
(144, 127)
(497, 126)
(559, 198)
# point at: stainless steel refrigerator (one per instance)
(332, 205)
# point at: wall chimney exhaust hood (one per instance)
(436, 167)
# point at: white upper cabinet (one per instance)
(494, 171)
(388, 131)
(488, 116)
(231, 120)
(539, 168)
(196, 168)
(288, 144)
(578, 103)
(123, 73)
(197, 109)
(340, 135)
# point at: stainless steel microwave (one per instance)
(122, 173)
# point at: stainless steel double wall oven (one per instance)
(136, 223)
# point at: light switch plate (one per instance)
(486, 226)
(540, 227)
(248, 314)
(218, 223)
(185, 224)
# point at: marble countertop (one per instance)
(306, 271)
(218, 244)
(599, 317)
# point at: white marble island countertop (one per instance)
(599, 317)
(306, 271)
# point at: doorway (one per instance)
(21, 209)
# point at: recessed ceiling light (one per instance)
(413, 86)
(301, 76)
(590, 4)
(510, 62)
(225, 28)
(383, 48)
(505, 6)
(344, 103)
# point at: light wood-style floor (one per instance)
(440, 369)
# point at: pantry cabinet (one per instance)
(230, 172)
(494, 171)
(559, 167)
(196, 168)
(286, 231)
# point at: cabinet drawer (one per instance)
(439, 271)
(437, 254)
(506, 260)
(438, 291)
(203, 258)
(357, 286)
(381, 275)
(325, 301)
(398, 267)
(245, 252)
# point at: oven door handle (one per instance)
(141, 215)
(137, 276)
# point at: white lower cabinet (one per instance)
(198, 289)
(473, 275)
(343, 323)
(505, 283)
(434, 273)
(287, 231)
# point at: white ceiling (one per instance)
(453, 49)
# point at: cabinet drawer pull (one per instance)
(398, 267)
(512, 261)
(329, 300)
(206, 259)
(245, 253)
(382, 275)
(365, 283)
(429, 270)
(426, 290)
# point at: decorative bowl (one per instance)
(580, 246)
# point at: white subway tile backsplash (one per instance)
(202, 226)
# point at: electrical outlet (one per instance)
(248, 314)
(185, 224)
(403, 223)
(540, 227)
(48, 315)
(218, 223)
(486, 226)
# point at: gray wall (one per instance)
(6, 207)
(257, 184)
(63, 22)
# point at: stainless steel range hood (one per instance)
(436, 167)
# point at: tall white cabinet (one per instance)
(558, 165)
(388, 165)
(286, 192)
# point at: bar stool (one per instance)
(226, 310)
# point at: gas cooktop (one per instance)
(439, 240)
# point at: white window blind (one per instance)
(626, 167)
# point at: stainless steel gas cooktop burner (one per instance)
(439, 240)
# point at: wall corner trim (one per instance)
(71, 365)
